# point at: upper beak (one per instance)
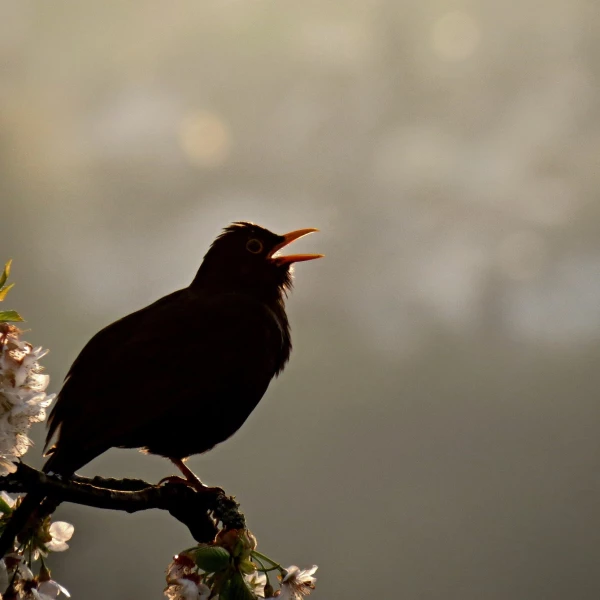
(288, 238)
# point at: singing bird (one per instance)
(183, 374)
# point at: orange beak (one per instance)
(288, 238)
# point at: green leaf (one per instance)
(247, 566)
(224, 590)
(4, 507)
(10, 316)
(211, 558)
(238, 589)
(5, 274)
(4, 291)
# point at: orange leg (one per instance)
(189, 475)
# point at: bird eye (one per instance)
(254, 246)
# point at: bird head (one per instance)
(247, 257)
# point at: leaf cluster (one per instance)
(7, 316)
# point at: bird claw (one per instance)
(173, 479)
(194, 484)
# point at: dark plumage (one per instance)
(183, 374)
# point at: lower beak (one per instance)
(288, 238)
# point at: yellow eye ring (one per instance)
(255, 246)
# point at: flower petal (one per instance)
(61, 531)
(10, 501)
(52, 588)
(57, 546)
(257, 582)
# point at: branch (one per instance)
(200, 512)
(120, 485)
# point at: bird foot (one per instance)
(195, 483)
(173, 479)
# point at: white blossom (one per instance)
(14, 570)
(187, 589)
(61, 533)
(37, 595)
(51, 589)
(24, 571)
(257, 582)
(297, 583)
(23, 399)
(25, 585)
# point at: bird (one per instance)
(183, 374)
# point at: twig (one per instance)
(121, 485)
(200, 512)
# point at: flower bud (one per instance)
(239, 542)
(45, 574)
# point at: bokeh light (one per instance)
(205, 139)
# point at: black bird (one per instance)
(183, 374)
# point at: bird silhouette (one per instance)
(183, 374)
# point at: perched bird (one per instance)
(183, 374)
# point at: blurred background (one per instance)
(436, 435)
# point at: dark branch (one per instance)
(200, 512)
(121, 485)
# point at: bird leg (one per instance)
(189, 475)
(191, 479)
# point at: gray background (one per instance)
(436, 433)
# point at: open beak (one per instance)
(288, 238)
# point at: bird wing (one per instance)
(154, 364)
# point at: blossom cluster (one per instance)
(23, 399)
(232, 568)
(17, 581)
